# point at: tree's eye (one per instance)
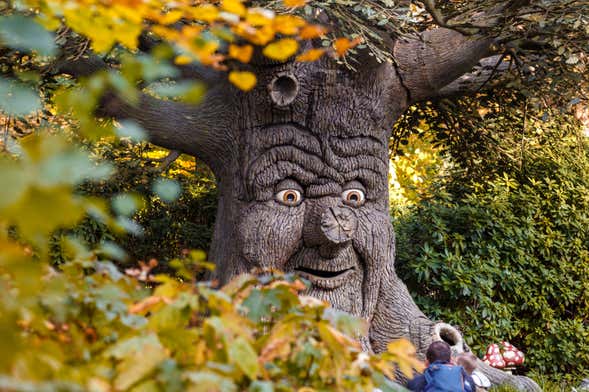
(289, 197)
(353, 197)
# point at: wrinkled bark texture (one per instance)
(302, 164)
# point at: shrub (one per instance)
(163, 229)
(509, 259)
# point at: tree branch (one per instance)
(481, 76)
(196, 129)
(200, 130)
(435, 59)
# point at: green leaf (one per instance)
(138, 365)
(125, 204)
(261, 386)
(244, 357)
(72, 168)
(24, 33)
(14, 182)
(40, 211)
(207, 381)
(191, 92)
(167, 190)
(17, 99)
(132, 130)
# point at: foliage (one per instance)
(84, 325)
(508, 258)
(414, 169)
(167, 228)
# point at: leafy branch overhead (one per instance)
(546, 41)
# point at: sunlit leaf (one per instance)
(244, 80)
(282, 49)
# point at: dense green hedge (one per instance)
(508, 259)
(165, 228)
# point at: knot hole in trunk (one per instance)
(450, 335)
(283, 89)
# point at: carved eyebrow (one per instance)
(264, 138)
(347, 146)
(291, 151)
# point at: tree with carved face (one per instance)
(302, 169)
(302, 162)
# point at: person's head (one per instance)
(468, 361)
(438, 351)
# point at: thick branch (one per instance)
(483, 76)
(437, 58)
(200, 130)
(196, 129)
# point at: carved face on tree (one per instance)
(314, 195)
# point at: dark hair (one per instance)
(438, 351)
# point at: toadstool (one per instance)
(493, 357)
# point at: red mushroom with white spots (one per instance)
(511, 355)
(493, 357)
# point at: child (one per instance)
(441, 375)
(469, 362)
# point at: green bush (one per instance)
(165, 228)
(508, 259)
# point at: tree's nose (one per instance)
(338, 225)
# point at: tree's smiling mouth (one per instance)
(322, 274)
(326, 274)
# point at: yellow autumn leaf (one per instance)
(243, 80)
(311, 54)
(312, 31)
(241, 53)
(260, 36)
(342, 45)
(234, 7)
(294, 3)
(133, 14)
(282, 49)
(205, 13)
(127, 34)
(183, 59)
(288, 24)
(170, 17)
(259, 17)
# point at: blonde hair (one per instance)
(468, 361)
